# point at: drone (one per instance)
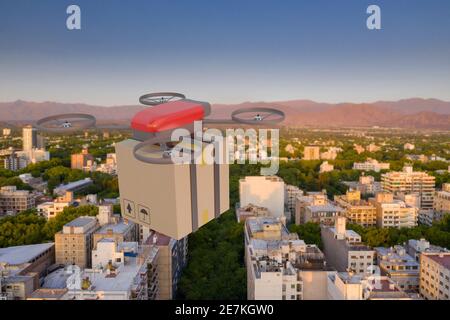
(166, 112)
(170, 110)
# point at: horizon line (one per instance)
(224, 103)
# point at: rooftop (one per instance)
(73, 185)
(80, 222)
(119, 228)
(56, 279)
(441, 258)
(161, 239)
(350, 278)
(383, 285)
(125, 278)
(258, 224)
(326, 207)
(23, 254)
(351, 233)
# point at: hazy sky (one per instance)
(224, 51)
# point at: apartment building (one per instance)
(416, 247)
(82, 161)
(33, 155)
(393, 213)
(29, 138)
(13, 162)
(408, 181)
(435, 275)
(311, 153)
(366, 185)
(399, 266)
(315, 207)
(73, 245)
(21, 267)
(441, 203)
(172, 259)
(344, 249)
(280, 266)
(263, 191)
(371, 165)
(351, 286)
(127, 272)
(357, 210)
(290, 198)
(110, 167)
(13, 201)
(51, 209)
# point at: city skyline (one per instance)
(226, 53)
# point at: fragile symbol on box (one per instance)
(144, 214)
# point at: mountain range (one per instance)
(408, 113)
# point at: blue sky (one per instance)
(224, 51)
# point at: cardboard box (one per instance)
(173, 199)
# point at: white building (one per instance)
(326, 167)
(371, 165)
(263, 191)
(52, 208)
(34, 155)
(280, 266)
(29, 138)
(110, 166)
(6, 132)
(365, 185)
(409, 181)
(350, 286)
(394, 213)
(315, 207)
(399, 266)
(409, 146)
(123, 271)
(344, 249)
